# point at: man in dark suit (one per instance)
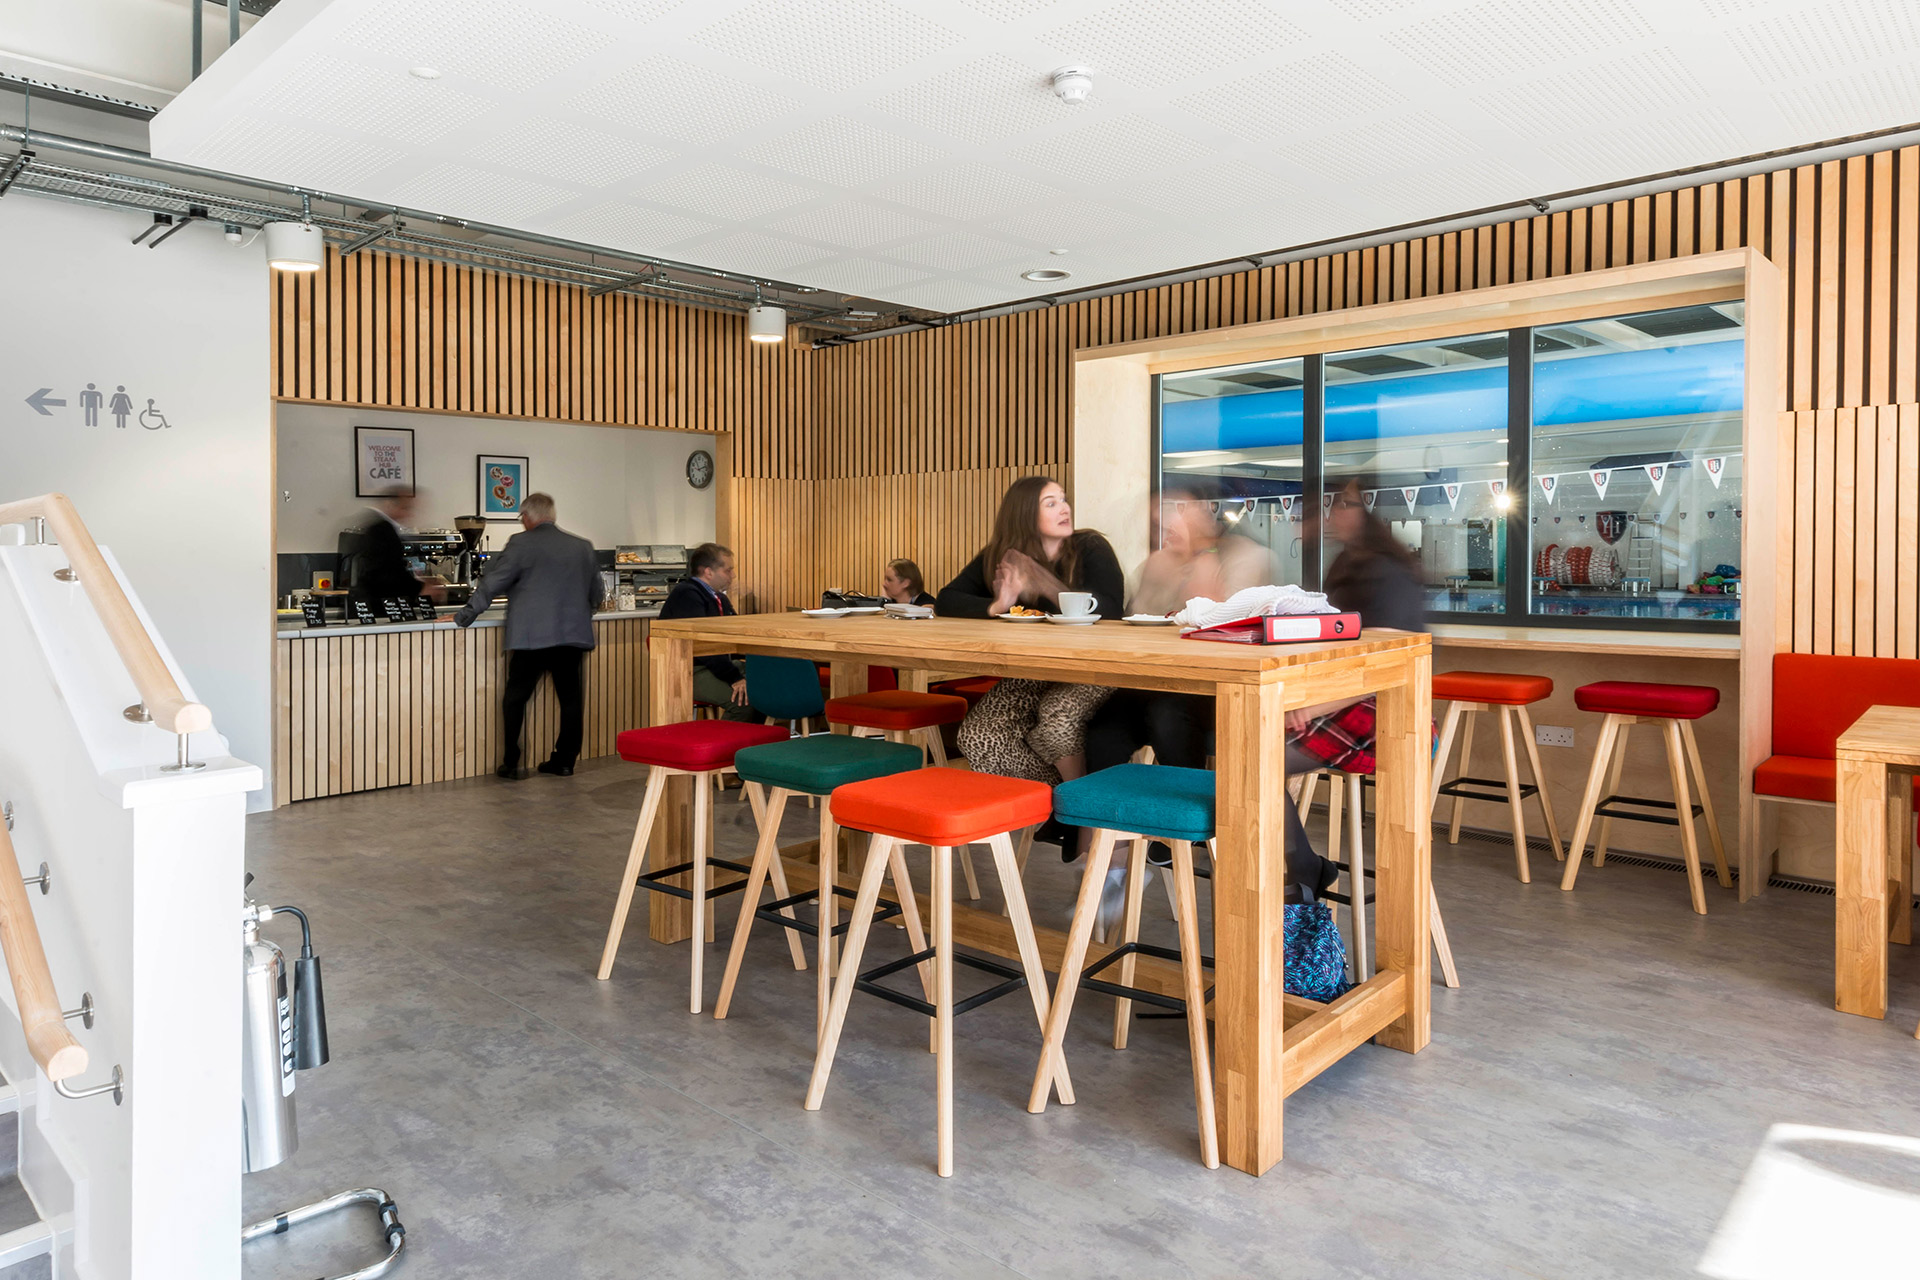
(703, 594)
(377, 564)
(552, 584)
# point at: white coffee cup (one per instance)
(1076, 604)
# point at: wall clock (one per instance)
(700, 469)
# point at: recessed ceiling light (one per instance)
(1059, 253)
(424, 73)
(1044, 275)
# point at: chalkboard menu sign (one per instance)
(423, 610)
(315, 611)
(363, 613)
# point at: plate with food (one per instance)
(1148, 619)
(1020, 613)
(826, 613)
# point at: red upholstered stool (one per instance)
(900, 715)
(943, 809)
(1468, 693)
(972, 688)
(702, 750)
(1674, 707)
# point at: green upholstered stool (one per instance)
(1137, 802)
(811, 766)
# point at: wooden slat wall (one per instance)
(851, 455)
(389, 709)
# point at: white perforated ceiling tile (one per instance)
(1223, 184)
(829, 44)
(1073, 222)
(1851, 104)
(960, 251)
(1373, 11)
(290, 153)
(1645, 82)
(986, 100)
(620, 225)
(637, 11)
(1505, 37)
(1114, 150)
(951, 295)
(1370, 150)
(863, 277)
(1150, 43)
(1827, 37)
(967, 193)
(722, 191)
(1651, 146)
(569, 151)
(844, 152)
(1294, 97)
(1007, 10)
(348, 95)
(757, 251)
(853, 224)
(672, 98)
(484, 195)
(498, 42)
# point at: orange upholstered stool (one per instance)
(1467, 694)
(944, 809)
(1674, 707)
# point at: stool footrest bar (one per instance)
(653, 879)
(1460, 788)
(883, 909)
(868, 981)
(1606, 809)
(1140, 994)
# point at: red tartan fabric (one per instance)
(1343, 740)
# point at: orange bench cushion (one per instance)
(1803, 778)
(1491, 686)
(943, 807)
(896, 709)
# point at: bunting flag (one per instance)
(1326, 503)
(1716, 468)
(1547, 486)
(1453, 495)
(1497, 486)
(1600, 481)
(1286, 504)
(1411, 495)
(1657, 472)
(1371, 495)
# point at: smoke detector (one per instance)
(1072, 85)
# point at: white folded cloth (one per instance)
(1253, 602)
(908, 610)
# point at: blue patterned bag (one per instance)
(1315, 954)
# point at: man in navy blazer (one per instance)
(703, 594)
(552, 584)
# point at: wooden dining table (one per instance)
(1875, 760)
(1267, 1043)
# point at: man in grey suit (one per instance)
(552, 584)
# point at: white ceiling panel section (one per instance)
(912, 151)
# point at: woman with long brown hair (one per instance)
(1033, 728)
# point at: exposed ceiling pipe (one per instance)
(378, 233)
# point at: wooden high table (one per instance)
(1267, 1043)
(1873, 895)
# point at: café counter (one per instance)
(361, 708)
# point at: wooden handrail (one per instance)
(159, 691)
(52, 1046)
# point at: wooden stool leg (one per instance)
(1540, 782)
(778, 871)
(870, 877)
(1336, 802)
(1029, 945)
(1466, 767)
(1516, 816)
(1601, 840)
(1449, 729)
(826, 917)
(1022, 849)
(1130, 932)
(1706, 805)
(943, 1003)
(702, 842)
(1441, 947)
(935, 747)
(910, 918)
(1194, 990)
(1596, 774)
(1357, 873)
(765, 853)
(1683, 810)
(636, 863)
(1079, 934)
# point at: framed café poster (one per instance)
(382, 461)
(503, 483)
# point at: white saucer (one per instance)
(1148, 620)
(1020, 617)
(862, 608)
(1077, 620)
(826, 613)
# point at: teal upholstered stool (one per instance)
(811, 766)
(1137, 803)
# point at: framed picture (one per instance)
(382, 460)
(503, 483)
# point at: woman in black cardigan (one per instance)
(1033, 728)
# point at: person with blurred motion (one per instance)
(378, 568)
(1034, 729)
(552, 583)
(717, 678)
(902, 584)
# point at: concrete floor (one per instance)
(1587, 1108)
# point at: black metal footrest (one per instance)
(1602, 810)
(869, 982)
(1458, 788)
(653, 879)
(883, 909)
(1346, 900)
(1139, 994)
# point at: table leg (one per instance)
(1249, 921)
(1900, 866)
(670, 701)
(844, 680)
(1402, 860)
(1860, 888)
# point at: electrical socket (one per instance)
(1553, 735)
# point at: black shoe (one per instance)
(1053, 831)
(511, 772)
(557, 770)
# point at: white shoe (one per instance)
(1113, 901)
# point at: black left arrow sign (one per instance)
(41, 399)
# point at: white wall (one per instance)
(186, 508)
(612, 485)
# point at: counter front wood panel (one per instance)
(392, 709)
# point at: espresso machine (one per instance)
(471, 558)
